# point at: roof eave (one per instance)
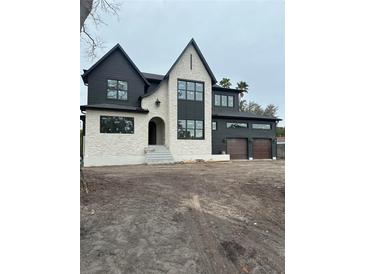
(192, 42)
(116, 47)
(141, 110)
(247, 118)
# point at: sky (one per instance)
(241, 40)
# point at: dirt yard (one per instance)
(184, 218)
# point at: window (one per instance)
(261, 126)
(236, 125)
(189, 90)
(190, 129)
(224, 100)
(199, 89)
(116, 124)
(217, 100)
(117, 90)
(230, 101)
(214, 125)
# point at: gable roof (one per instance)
(153, 76)
(193, 43)
(117, 47)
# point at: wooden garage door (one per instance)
(237, 148)
(261, 149)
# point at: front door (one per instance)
(152, 133)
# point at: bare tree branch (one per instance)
(94, 9)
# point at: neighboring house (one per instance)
(134, 117)
(280, 147)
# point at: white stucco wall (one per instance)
(190, 149)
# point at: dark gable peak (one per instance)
(117, 47)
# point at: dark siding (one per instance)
(190, 110)
(223, 109)
(153, 85)
(115, 67)
(220, 135)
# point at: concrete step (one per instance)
(158, 155)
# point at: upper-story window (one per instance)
(261, 126)
(190, 90)
(223, 100)
(117, 90)
(230, 101)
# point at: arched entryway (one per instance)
(156, 131)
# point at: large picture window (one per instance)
(236, 125)
(261, 126)
(189, 90)
(190, 129)
(117, 90)
(116, 124)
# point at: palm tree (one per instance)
(243, 86)
(225, 83)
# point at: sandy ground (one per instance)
(184, 218)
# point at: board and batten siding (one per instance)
(115, 67)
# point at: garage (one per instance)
(237, 148)
(261, 148)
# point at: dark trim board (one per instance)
(114, 108)
(194, 44)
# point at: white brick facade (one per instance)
(120, 149)
(190, 149)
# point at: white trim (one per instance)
(274, 158)
(250, 158)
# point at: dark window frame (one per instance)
(226, 105)
(102, 129)
(185, 130)
(236, 123)
(117, 99)
(186, 90)
(220, 101)
(216, 125)
(230, 96)
(252, 126)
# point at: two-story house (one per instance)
(133, 117)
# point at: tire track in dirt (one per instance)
(205, 242)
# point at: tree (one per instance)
(271, 110)
(280, 131)
(256, 108)
(94, 9)
(225, 83)
(243, 86)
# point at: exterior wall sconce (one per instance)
(157, 102)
